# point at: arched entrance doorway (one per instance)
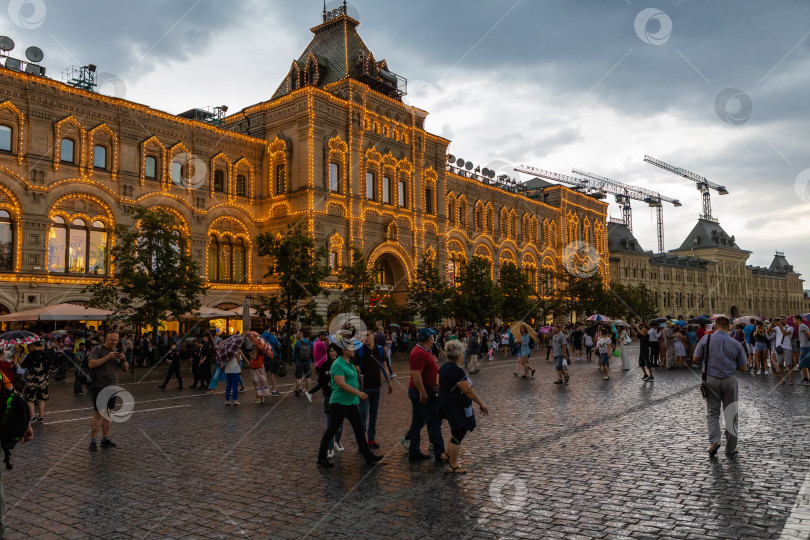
(392, 277)
(734, 312)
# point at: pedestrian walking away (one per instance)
(559, 346)
(721, 357)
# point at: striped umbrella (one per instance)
(599, 318)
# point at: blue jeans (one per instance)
(419, 415)
(804, 357)
(231, 385)
(368, 412)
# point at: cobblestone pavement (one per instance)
(594, 459)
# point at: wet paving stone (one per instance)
(593, 459)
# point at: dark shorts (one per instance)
(303, 371)
(271, 366)
(605, 359)
(559, 363)
(644, 361)
(804, 357)
(95, 393)
(36, 393)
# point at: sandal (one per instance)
(444, 458)
(456, 470)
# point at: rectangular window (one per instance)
(212, 261)
(5, 138)
(386, 190)
(99, 157)
(66, 151)
(429, 201)
(371, 186)
(241, 185)
(177, 173)
(401, 194)
(281, 179)
(333, 261)
(334, 177)
(219, 181)
(98, 252)
(225, 262)
(238, 263)
(150, 167)
(56, 249)
(77, 251)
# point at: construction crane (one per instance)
(598, 187)
(652, 198)
(703, 185)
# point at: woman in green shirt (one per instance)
(346, 396)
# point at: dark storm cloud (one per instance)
(116, 35)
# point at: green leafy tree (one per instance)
(154, 275)
(477, 299)
(429, 295)
(519, 300)
(297, 265)
(582, 294)
(632, 301)
(362, 295)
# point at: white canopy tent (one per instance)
(58, 312)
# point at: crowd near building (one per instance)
(336, 150)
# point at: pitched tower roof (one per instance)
(780, 264)
(337, 52)
(709, 234)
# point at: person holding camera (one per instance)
(105, 360)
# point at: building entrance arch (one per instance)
(391, 272)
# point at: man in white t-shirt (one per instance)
(782, 339)
(653, 334)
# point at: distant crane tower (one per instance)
(703, 185)
(653, 199)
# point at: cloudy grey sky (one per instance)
(557, 84)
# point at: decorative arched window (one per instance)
(451, 211)
(99, 157)
(77, 247)
(219, 181)
(5, 138)
(386, 190)
(281, 179)
(6, 242)
(150, 167)
(334, 177)
(479, 218)
(371, 186)
(177, 173)
(67, 150)
(455, 260)
(226, 259)
(462, 212)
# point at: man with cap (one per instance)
(343, 404)
(423, 393)
(724, 356)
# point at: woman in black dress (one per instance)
(456, 397)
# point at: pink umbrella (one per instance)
(260, 344)
(546, 329)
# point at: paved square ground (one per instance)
(594, 459)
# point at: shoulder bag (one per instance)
(704, 388)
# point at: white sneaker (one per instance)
(308, 396)
(796, 368)
(759, 372)
(338, 446)
(767, 372)
(330, 454)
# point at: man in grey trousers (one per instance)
(726, 356)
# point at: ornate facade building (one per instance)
(335, 149)
(707, 274)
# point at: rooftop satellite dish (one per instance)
(468, 165)
(34, 54)
(6, 43)
(460, 162)
(491, 174)
(485, 172)
(451, 158)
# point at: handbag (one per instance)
(627, 340)
(704, 388)
(281, 369)
(779, 348)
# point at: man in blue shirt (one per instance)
(725, 356)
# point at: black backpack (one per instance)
(304, 353)
(14, 421)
